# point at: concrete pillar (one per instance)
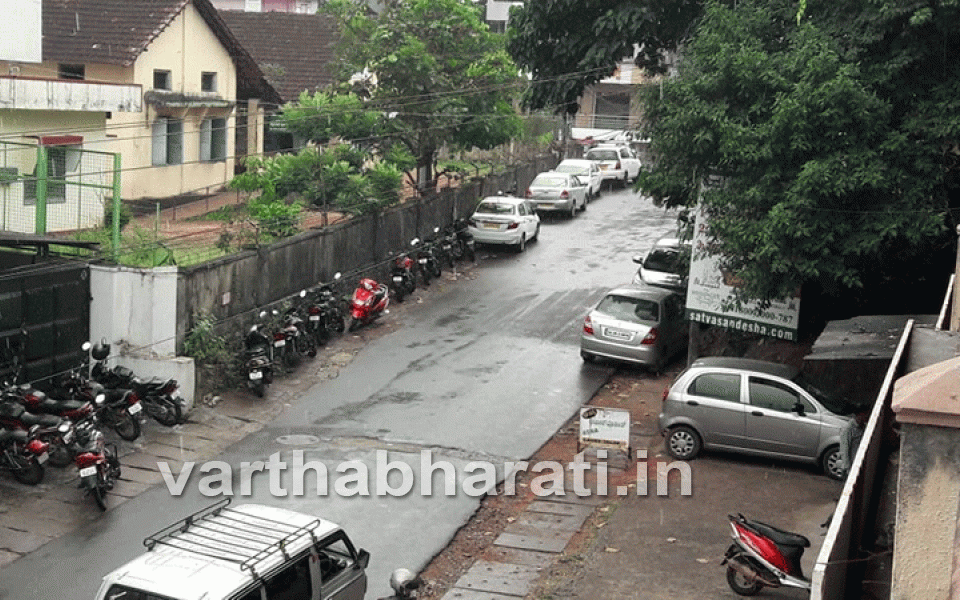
(255, 125)
(926, 559)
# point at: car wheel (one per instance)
(536, 233)
(832, 464)
(522, 244)
(683, 443)
(583, 207)
(596, 194)
(573, 210)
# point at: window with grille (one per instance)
(167, 141)
(213, 140)
(56, 177)
(71, 71)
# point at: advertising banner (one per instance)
(711, 288)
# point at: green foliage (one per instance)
(568, 45)
(125, 214)
(276, 217)
(324, 116)
(438, 74)
(202, 342)
(822, 146)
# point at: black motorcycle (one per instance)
(98, 463)
(403, 279)
(258, 358)
(465, 246)
(427, 262)
(161, 397)
(445, 242)
(327, 318)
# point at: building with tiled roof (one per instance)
(294, 51)
(196, 79)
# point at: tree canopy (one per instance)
(568, 45)
(436, 75)
(828, 146)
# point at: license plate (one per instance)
(280, 343)
(422, 261)
(603, 167)
(617, 335)
(544, 205)
(398, 279)
(135, 408)
(254, 375)
(314, 317)
(88, 471)
(491, 225)
(43, 458)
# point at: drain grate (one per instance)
(298, 439)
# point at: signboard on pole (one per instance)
(710, 288)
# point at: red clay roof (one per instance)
(116, 32)
(294, 51)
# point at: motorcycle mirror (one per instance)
(336, 276)
(86, 346)
(303, 293)
(436, 229)
(100, 399)
(275, 312)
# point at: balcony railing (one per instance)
(26, 93)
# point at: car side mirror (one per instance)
(363, 558)
(798, 408)
(638, 259)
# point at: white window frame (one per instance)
(167, 141)
(213, 139)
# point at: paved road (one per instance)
(487, 370)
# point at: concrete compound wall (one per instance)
(235, 288)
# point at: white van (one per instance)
(250, 552)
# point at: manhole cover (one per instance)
(298, 440)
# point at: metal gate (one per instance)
(44, 314)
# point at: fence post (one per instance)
(40, 215)
(116, 207)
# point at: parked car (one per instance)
(752, 407)
(617, 163)
(586, 170)
(558, 192)
(667, 264)
(637, 324)
(505, 220)
(242, 553)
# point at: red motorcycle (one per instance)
(369, 301)
(97, 462)
(23, 455)
(763, 556)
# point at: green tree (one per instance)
(568, 45)
(438, 76)
(822, 144)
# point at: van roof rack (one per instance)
(236, 536)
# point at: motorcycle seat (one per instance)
(122, 372)
(781, 537)
(30, 419)
(51, 405)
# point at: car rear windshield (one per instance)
(667, 261)
(603, 155)
(497, 208)
(549, 181)
(625, 308)
(574, 169)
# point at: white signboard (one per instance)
(607, 427)
(710, 288)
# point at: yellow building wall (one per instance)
(186, 48)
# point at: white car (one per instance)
(558, 192)
(584, 169)
(505, 220)
(617, 163)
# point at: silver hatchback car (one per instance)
(637, 324)
(752, 407)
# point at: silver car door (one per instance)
(775, 425)
(713, 401)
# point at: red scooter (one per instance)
(763, 556)
(369, 301)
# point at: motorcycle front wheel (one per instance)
(259, 388)
(741, 584)
(28, 470)
(126, 425)
(99, 496)
(338, 323)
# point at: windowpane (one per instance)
(174, 141)
(159, 140)
(722, 386)
(218, 142)
(765, 393)
(208, 82)
(293, 583)
(161, 80)
(70, 71)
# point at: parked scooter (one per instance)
(369, 301)
(97, 462)
(23, 455)
(444, 244)
(258, 358)
(298, 341)
(763, 556)
(465, 247)
(402, 276)
(325, 314)
(160, 397)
